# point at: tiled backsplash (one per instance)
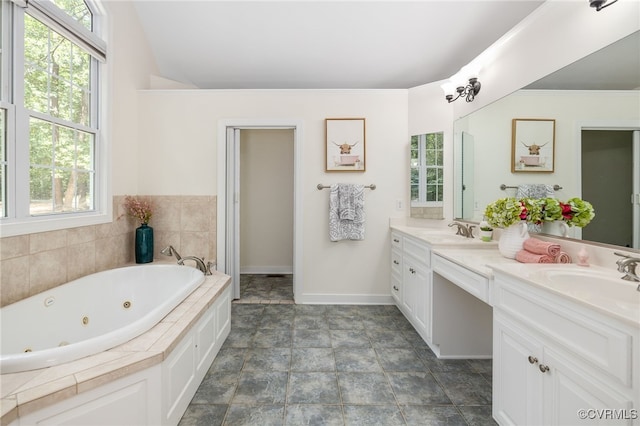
(33, 263)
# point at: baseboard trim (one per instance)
(266, 270)
(345, 299)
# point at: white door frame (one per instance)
(228, 193)
(625, 125)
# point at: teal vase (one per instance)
(144, 244)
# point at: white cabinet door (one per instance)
(408, 287)
(569, 390)
(517, 380)
(422, 306)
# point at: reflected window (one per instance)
(427, 170)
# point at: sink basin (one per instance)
(448, 238)
(595, 287)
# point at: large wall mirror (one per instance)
(595, 104)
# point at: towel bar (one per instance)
(503, 187)
(321, 186)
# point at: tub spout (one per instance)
(170, 251)
(200, 264)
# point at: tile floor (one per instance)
(287, 364)
(266, 288)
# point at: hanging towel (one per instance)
(537, 246)
(346, 212)
(535, 190)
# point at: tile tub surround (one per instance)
(30, 264)
(335, 365)
(28, 391)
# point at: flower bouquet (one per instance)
(139, 209)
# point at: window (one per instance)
(427, 170)
(57, 144)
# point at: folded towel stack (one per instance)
(538, 251)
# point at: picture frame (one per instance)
(533, 144)
(345, 145)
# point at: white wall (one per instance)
(266, 201)
(130, 64)
(180, 129)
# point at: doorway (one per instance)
(266, 215)
(230, 196)
(609, 165)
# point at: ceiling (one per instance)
(347, 44)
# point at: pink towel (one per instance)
(537, 246)
(525, 256)
(563, 257)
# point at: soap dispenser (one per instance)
(583, 257)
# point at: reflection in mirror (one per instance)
(464, 144)
(583, 168)
(427, 176)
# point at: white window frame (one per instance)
(18, 220)
(422, 175)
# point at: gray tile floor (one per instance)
(287, 364)
(266, 288)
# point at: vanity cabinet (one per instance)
(555, 360)
(411, 281)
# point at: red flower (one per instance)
(566, 211)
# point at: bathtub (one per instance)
(91, 314)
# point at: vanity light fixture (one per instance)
(600, 4)
(468, 92)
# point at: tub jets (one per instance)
(200, 263)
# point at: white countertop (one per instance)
(597, 288)
(443, 237)
(475, 259)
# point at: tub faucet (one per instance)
(170, 251)
(627, 265)
(200, 263)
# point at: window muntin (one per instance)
(427, 173)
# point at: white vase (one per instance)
(556, 227)
(511, 239)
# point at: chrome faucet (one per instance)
(200, 263)
(464, 230)
(627, 265)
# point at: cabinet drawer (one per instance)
(591, 337)
(396, 262)
(396, 241)
(396, 288)
(418, 250)
(471, 282)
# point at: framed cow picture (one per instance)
(345, 145)
(533, 143)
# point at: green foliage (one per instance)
(57, 81)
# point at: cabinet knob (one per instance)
(396, 262)
(413, 271)
(395, 288)
(395, 240)
(533, 359)
(543, 368)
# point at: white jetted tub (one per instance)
(91, 314)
